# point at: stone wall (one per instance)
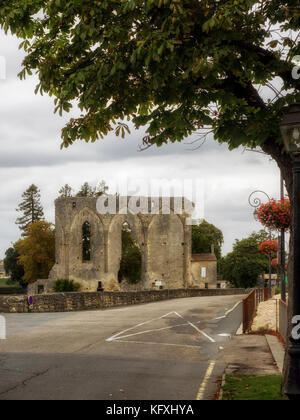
(40, 287)
(68, 302)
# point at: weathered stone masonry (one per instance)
(68, 302)
(164, 241)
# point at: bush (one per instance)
(66, 286)
(277, 290)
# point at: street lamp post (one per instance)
(282, 248)
(290, 129)
(256, 202)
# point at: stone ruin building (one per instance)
(89, 245)
(163, 239)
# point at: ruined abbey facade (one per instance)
(89, 244)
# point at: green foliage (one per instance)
(87, 190)
(175, 66)
(131, 261)
(277, 290)
(243, 266)
(205, 235)
(66, 191)
(7, 282)
(30, 207)
(37, 251)
(62, 286)
(12, 268)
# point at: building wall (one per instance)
(2, 271)
(211, 273)
(164, 241)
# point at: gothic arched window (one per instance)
(86, 242)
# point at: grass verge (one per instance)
(3, 283)
(245, 387)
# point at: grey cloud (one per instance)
(30, 153)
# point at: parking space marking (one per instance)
(120, 336)
(158, 344)
(197, 329)
(137, 325)
(202, 332)
(148, 331)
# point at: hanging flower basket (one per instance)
(268, 248)
(275, 264)
(276, 214)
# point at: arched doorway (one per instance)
(130, 269)
(126, 229)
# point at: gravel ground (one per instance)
(265, 319)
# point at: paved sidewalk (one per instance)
(250, 355)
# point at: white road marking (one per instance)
(197, 329)
(221, 317)
(180, 316)
(137, 325)
(159, 344)
(224, 335)
(207, 376)
(202, 332)
(148, 331)
(120, 336)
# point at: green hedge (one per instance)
(66, 286)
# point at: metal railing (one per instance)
(250, 304)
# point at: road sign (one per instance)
(30, 302)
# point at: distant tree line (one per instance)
(244, 266)
(33, 255)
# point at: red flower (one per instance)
(276, 214)
(268, 248)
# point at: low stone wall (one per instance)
(12, 291)
(68, 302)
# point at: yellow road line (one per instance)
(232, 309)
(207, 376)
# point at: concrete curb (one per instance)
(239, 330)
(222, 386)
(277, 350)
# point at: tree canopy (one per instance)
(131, 259)
(30, 207)
(37, 251)
(174, 66)
(66, 191)
(11, 266)
(87, 190)
(243, 266)
(204, 236)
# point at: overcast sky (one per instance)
(30, 153)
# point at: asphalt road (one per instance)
(170, 350)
